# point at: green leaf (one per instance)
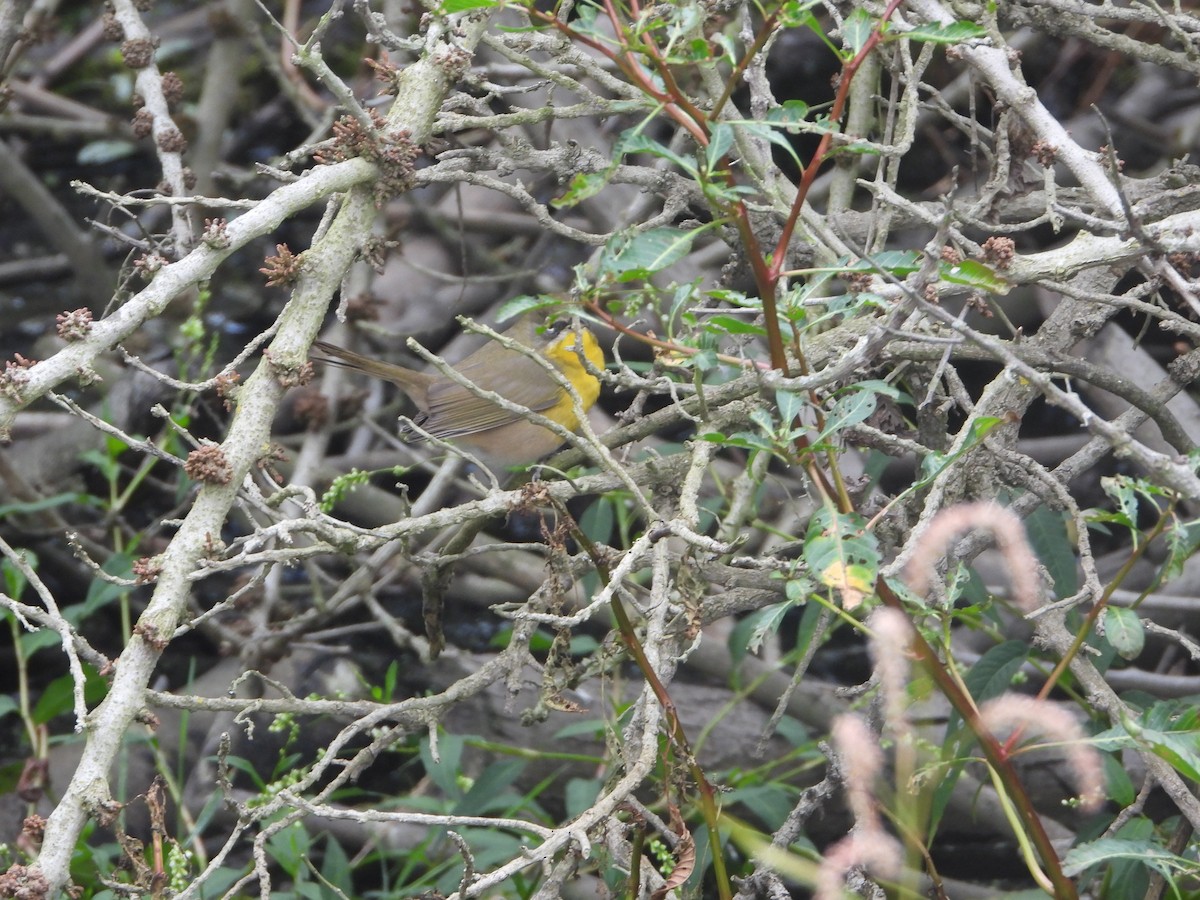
(598, 521)
(1048, 535)
(719, 142)
(589, 728)
(992, 675)
(15, 581)
(444, 771)
(1106, 850)
(100, 592)
(791, 404)
(748, 635)
(842, 555)
(935, 463)
(954, 33)
(335, 868)
(797, 14)
(518, 306)
(1170, 730)
(487, 794)
(1121, 789)
(1123, 629)
(582, 186)
(769, 804)
(773, 133)
(1121, 489)
(1128, 877)
(57, 698)
(289, 847)
(856, 30)
(8, 705)
(848, 410)
(973, 274)
(450, 7)
(1182, 539)
(389, 681)
(895, 262)
(105, 463)
(788, 114)
(581, 793)
(634, 141)
(633, 256)
(1179, 751)
(721, 324)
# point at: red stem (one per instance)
(839, 104)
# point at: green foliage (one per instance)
(843, 555)
(634, 256)
(990, 677)
(1170, 729)
(953, 33)
(1115, 851)
(1123, 630)
(1051, 541)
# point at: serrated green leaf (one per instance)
(763, 419)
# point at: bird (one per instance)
(500, 438)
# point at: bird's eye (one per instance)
(554, 329)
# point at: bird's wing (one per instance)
(455, 411)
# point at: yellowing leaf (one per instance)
(854, 583)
